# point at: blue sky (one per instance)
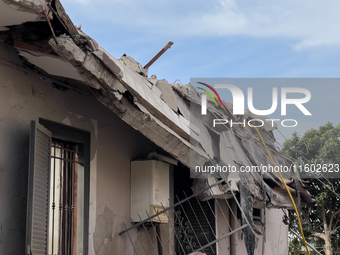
(221, 38)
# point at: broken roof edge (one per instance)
(145, 104)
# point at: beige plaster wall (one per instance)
(276, 234)
(25, 97)
(222, 213)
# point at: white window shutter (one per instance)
(38, 190)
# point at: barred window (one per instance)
(57, 218)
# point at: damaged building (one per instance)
(98, 158)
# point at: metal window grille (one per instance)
(64, 198)
(194, 225)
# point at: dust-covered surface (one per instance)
(160, 111)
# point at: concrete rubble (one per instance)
(164, 113)
(159, 110)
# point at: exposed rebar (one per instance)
(160, 53)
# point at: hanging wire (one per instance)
(289, 193)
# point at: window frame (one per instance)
(83, 139)
(256, 217)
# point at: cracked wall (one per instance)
(25, 96)
(103, 230)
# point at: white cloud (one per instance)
(310, 23)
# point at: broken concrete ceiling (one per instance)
(47, 40)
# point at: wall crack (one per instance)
(104, 229)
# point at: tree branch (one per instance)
(335, 229)
(307, 218)
(320, 235)
(332, 217)
(324, 218)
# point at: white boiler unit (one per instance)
(149, 189)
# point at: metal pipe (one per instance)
(215, 234)
(138, 236)
(134, 248)
(164, 229)
(239, 206)
(222, 237)
(160, 53)
(198, 221)
(170, 207)
(153, 247)
(158, 237)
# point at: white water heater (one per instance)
(149, 189)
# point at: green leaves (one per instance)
(318, 146)
(321, 199)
